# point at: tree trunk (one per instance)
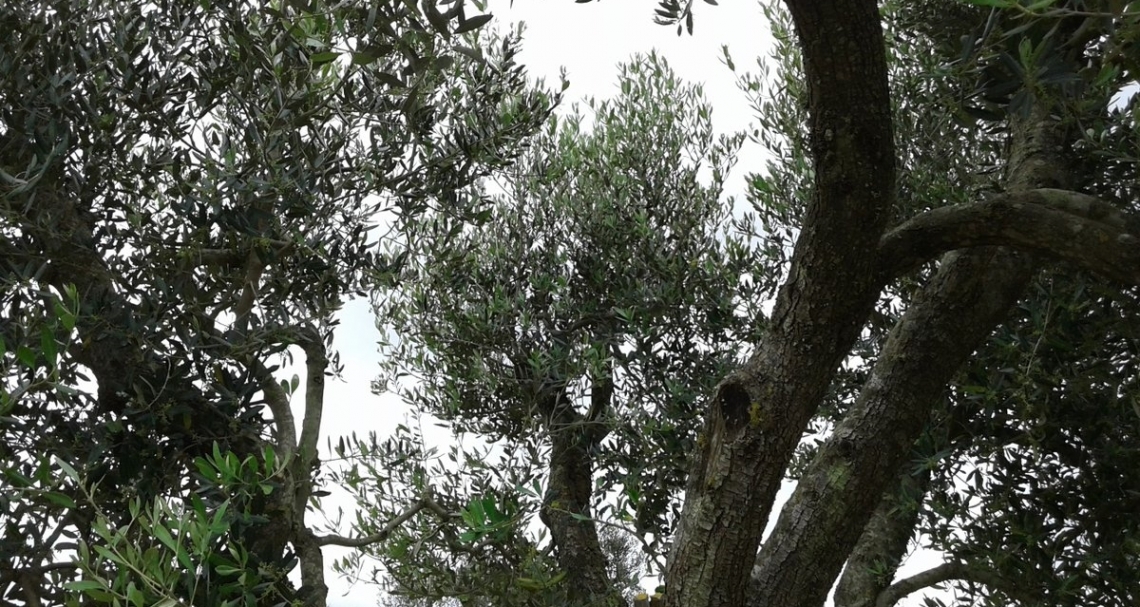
(755, 419)
(759, 413)
(835, 497)
(566, 507)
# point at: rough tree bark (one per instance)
(842, 259)
(880, 550)
(836, 496)
(756, 417)
(971, 292)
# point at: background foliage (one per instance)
(190, 190)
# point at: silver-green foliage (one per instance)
(608, 257)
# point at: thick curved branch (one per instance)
(601, 399)
(880, 550)
(822, 521)
(255, 266)
(276, 398)
(955, 571)
(1067, 225)
(755, 418)
(277, 401)
(566, 508)
(316, 362)
(193, 257)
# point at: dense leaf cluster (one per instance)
(598, 295)
(188, 190)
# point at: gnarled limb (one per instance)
(971, 292)
(823, 520)
(1071, 226)
(956, 571)
(566, 506)
(756, 417)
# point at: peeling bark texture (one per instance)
(830, 290)
(876, 557)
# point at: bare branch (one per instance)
(440, 511)
(601, 398)
(278, 402)
(275, 396)
(316, 361)
(255, 267)
(6, 572)
(955, 571)
(876, 556)
(424, 503)
(31, 590)
(1067, 225)
(213, 257)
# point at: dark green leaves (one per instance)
(472, 24)
(607, 259)
(185, 191)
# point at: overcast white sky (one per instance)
(589, 40)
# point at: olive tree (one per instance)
(574, 326)
(189, 192)
(951, 207)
